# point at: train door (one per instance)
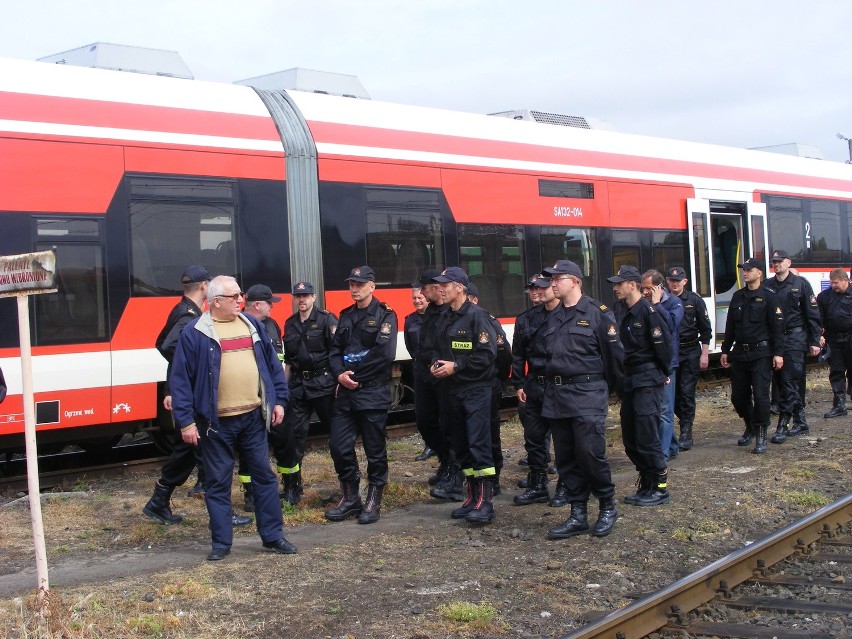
(722, 235)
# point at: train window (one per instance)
(558, 188)
(787, 225)
(493, 257)
(625, 250)
(825, 231)
(176, 222)
(577, 245)
(77, 312)
(668, 248)
(404, 234)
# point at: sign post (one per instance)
(22, 276)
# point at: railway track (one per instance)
(709, 602)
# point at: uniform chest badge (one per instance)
(500, 340)
(333, 329)
(371, 322)
(314, 325)
(611, 331)
(778, 310)
(813, 299)
(758, 299)
(386, 328)
(483, 337)
(657, 332)
(583, 323)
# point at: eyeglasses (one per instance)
(236, 296)
(560, 278)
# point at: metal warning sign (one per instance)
(28, 274)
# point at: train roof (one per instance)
(374, 129)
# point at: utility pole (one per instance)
(849, 144)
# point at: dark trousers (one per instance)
(640, 427)
(791, 382)
(687, 380)
(288, 439)
(427, 413)
(183, 458)
(346, 425)
(580, 448)
(840, 366)
(245, 433)
(750, 381)
(496, 443)
(536, 428)
(468, 416)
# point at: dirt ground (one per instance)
(416, 573)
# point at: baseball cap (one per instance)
(472, 290)
(779, 255)
(303, 288)
(676, 273)
(626, 274)
(537, 281)
(361, 274)
(427, 276)
(261, 293)
(453, 274)
(751, 263)
(563, 267)
(195, 273)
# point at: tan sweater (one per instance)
(239, 380)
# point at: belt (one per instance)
(630, 370)
(754, 346)
(372, 382)
(561, 380)
(689, 344)
(316, 373)
(789, 331)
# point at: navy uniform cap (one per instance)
(563, 267)
(195, 273)
(779, 255)
(453, 274)
(303, 288)
(361, 274)
(751, 263)
(537, 281)
(472, 290)
(427, 277)
(626, 274)
(676, 273)
(261, 293)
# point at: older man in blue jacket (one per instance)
(228, 388)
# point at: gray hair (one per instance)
(216, 288)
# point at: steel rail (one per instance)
(656, 610)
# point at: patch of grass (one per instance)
(153, 625)
(479, 616)
(189, 589)
(681, 533)
(805, 498)
(798, 473)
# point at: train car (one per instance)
(132, 177)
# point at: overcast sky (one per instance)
(736, 72)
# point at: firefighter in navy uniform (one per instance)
(361, 354)
(647, 358)
(693, 351)
(502, 368)
(308, 334)
(835, 306)
(530, 354)
(584, 365)
(411, 334)
(465, 352)
(802, 331)
(753, 347)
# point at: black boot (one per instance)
(158, 506)
(453, 489)
(760, 440)
(576, 524)
(426, 454)
(524, 482)
(800, 423)
(349, 504)
(658, 493)
(373, 507)
(643, 486)
(293, 494)
(239, 521)
(560, 496)
(285, 487)
(606, 518)
(442, 475)
(780, 435)
(197, 490)
(748, 435)
(536, 492)
(684, 442)
(838, 409)
(482, 510)
(248, 497)
(462, 511)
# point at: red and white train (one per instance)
(133, 177)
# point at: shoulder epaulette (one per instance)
(492, 317)
(385, 306)
(323, 311)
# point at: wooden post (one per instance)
(32, 452)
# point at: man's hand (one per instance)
(167, 402)
(777, 362)
(724, 361)
(190, 435)
(704, 360)
(522, 396)
(814, 351)
(443, 368)
(345, 380)
(277, 414)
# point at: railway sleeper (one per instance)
(784, 605)
(733, 630)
